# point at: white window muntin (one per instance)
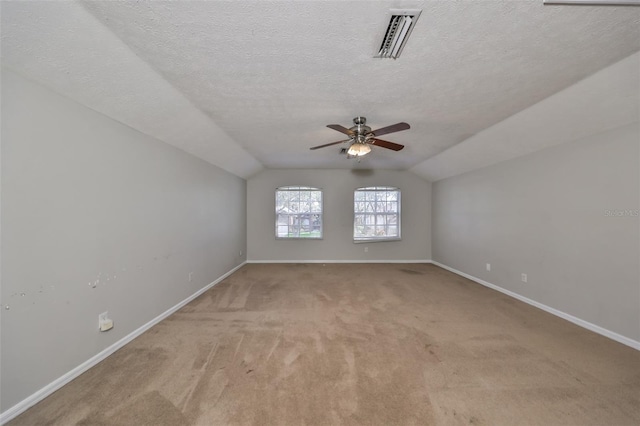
(298, 212)
(376, 214)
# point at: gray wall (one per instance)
(86, 200)
(337, 244)
(545, 215)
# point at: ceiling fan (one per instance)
(361, 136)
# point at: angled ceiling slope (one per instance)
(64, 47)
(605, 100)
(251, 83)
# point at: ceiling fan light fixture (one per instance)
(358, 149)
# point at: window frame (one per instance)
(320, 214)
(375, 214)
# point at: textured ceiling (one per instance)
(250, 84)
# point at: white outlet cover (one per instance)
(104, 323)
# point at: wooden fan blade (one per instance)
(341, 129)
(390, 129)
(386, 144)
(329, 144)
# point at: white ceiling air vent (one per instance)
(400, 26)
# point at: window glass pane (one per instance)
(298, 212)
(378, 217)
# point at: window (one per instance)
(298, 212)
(376, 214)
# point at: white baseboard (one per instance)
(66, 378)
(582, 323)
(36, 397)
(340, 261)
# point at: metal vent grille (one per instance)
(395, 38)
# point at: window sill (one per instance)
(376, 240)
(298, 238)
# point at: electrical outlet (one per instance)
(488, 266)
(190, 276)
(523, 277)
(366, 249)
(240, 252)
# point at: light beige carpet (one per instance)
(347, 344)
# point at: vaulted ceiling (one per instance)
(253, 84)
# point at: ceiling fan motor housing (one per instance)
(360, 128)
